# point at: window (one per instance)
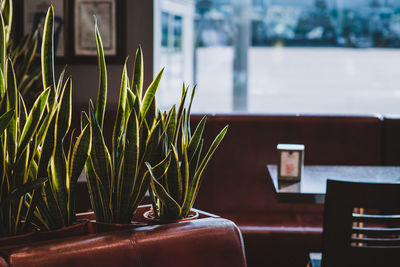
(281, 56)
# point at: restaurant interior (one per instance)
(96, 172)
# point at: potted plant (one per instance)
(56, 201)
(118, 179)
(37, 178)
(177, 188)
(18, 129)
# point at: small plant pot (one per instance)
(96, 227)
(149, 217)
(79, 228)
(103, 227)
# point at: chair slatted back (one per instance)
(361, 224)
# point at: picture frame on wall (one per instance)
(34, 13)
(85, 12)
(74, 30)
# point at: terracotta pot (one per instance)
(79, 228)
(149, 216)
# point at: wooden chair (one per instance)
(361, 225)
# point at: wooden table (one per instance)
(311, 188)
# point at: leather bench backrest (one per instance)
(236, 179)
(391, 140)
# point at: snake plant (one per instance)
(177, 188)
(27, 67)
(56, 201)
(118, 179)
(22, 54)
(18, 129)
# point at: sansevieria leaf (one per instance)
(47, 56)
(2, 89)
(64, 113)
(137, 77)
(150, 94)
(196, 139)
(33, 119)
(195, 183)
(102, 91)
(3, 44)
(5, 120)
(12, 103)
(80, 153)
(174, 210)
(7, 12)
(101, 157)
(119, 120)
(23, 189)
(47, 145)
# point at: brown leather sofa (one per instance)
(236, 184)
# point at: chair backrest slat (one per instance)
(374, 242)
(376, 218)
(375, 231)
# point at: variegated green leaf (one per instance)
(98, 193)
(128, 175)
(194, 162)
(131, 99)
(54, 216)
(100, 156)
(58, 175)
(80, 154)
(196, 139)
(47, 146)
(77, 161)
(174, 210)
(33, 119)
(12, 103)
(7, 12)
(150, 95)
(20, 167)
(151, 114)
(189, 110)
(22, 190)
(3, 44)
(173, 179)
(171, 125)
(84, 120)
(185, 175)
(102, 91)
(64, 113)
(119, 120)
(23, 112)
(60, 82)
(5, 120)
(137, 77)
(180, 115)
(195, 184)
(2, 86)
(47, 56)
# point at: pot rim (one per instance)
(148, 215)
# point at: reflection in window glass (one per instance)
(283, 56)
(164, 29)
(178, 32)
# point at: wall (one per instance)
(139, 31)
